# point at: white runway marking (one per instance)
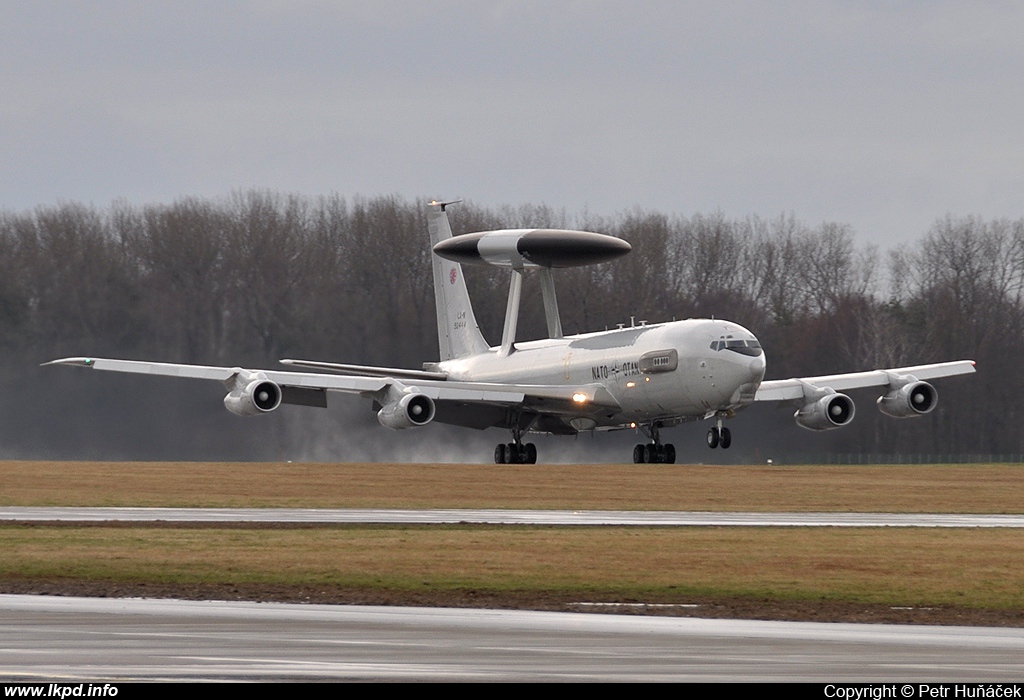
(510, 517)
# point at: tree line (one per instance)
(259, 276)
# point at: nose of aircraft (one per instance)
(756, 368)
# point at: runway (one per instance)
(508, 517)
(85, 639)
(72, 639)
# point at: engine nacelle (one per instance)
(830, 411)
(258, 396)
(410, 411)
(909, 400)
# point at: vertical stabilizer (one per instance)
(458, 334)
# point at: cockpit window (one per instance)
(743, 347)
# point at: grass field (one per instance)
(961, 575)
(957, 488)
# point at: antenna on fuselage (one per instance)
(522, 249)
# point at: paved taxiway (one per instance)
(510, 517)
(85, 639)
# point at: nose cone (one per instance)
(756, 367)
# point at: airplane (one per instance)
(647, 377)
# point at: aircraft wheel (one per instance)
(726, 439)
(638, 454)
(499, 454)
(713, 437)
(512, 455)
(650, 454)
(531, 453)
(670, 454)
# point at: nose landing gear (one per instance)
(719, 436)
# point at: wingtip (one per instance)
(74, 361)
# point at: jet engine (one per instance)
(911, 399)
(830, 411)
(410, 411)
(258, 396)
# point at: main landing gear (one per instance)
(719, 436)
(515, 452)
(653, 452)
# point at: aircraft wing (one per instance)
(354, 384)
(790, 389)
(308, 388)
(364, 370)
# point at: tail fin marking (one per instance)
(458, 334)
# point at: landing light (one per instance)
(630, 385)
(579, 397)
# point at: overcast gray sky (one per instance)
(882, 115)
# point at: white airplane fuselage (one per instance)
(692, 380)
